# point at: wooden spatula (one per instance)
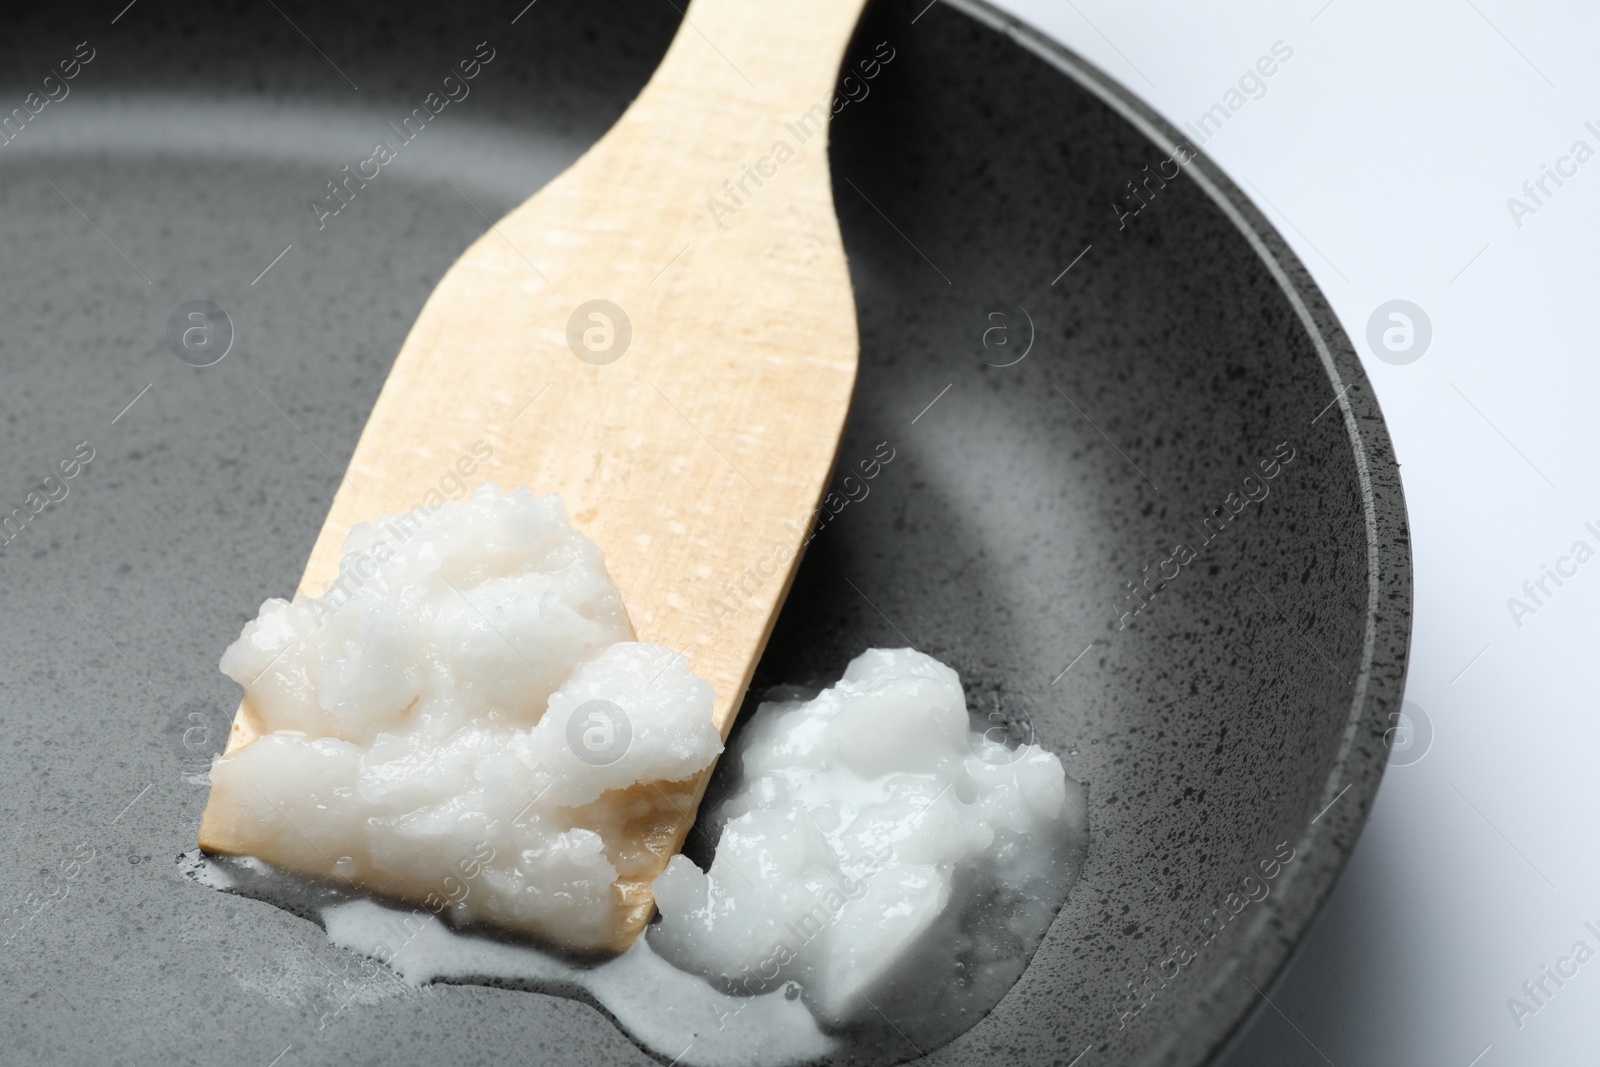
(665, 335)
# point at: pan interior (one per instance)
(1013, 536)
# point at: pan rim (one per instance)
(1218, 1013)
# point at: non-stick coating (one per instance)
(1244, 707)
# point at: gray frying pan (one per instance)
(1142, 495)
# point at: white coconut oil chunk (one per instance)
(879, 853)
(464, 721)
(462, 732)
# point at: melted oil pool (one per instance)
(883, 874)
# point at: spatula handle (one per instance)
(771, 57)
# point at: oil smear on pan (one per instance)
(883, 870)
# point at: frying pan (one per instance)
(1071, 388)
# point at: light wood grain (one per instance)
(696, 459)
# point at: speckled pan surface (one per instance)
(1238, 715)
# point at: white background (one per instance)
(1385, 151)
